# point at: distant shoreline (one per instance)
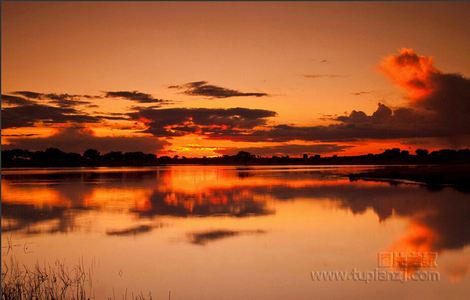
(292, 163)
(55, 158)
(436, 176)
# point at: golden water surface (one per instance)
(221, 232)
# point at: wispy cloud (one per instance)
(136, 96)
(314, 76)
(360, 93)
(62, 100)
(203, 88)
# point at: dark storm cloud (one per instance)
(182, 121)
(28, 115)
(73, 139)
(203, 88)
(136, 96)
(291, 149)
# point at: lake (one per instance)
(227, 232)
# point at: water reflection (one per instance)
(204, 237)
(134, 230)
(48, 202)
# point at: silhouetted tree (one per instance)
(422, 152)
(391, 153)
(404, 153)
(113, 156)
(92, 154)
(74, 158)
(243, 155)
(135, 156)
(57, 158)
(53, 154)
(164, 159)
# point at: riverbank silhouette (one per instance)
(53, 157)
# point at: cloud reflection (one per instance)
(438, 220)
(204, 237)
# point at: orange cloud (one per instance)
(410, 71)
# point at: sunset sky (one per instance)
(197, 79)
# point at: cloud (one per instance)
(291, 149)
(382, 124)
(181, 121)
(30, 114)
(62, 100)
(439, 108)
(20, 135)
(203, 88)
(410, 71)
(78, 139)
(361, 93)
(323, 76)
(444, 96)
(70, 100)
(29, 94)
(112, 116)
(136, 96)
(15, 100)
(27, 111)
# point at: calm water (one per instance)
(208, 232)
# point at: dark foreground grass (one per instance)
(50, 282)
(45, 281)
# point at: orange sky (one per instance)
(315, 62)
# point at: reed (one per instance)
(48, 281)
(51, 282)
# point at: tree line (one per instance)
(54, 157)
